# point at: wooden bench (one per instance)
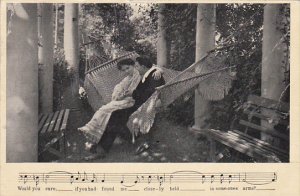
(52, 132)
(264, 116)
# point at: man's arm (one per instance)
(142, 96)
(156, 83)
(152, 86)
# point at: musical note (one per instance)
(122, 181)
(94, 179)
(84, 177)
(149, 179)
(212, 178)
(103, 180)
(71, 179)
(25, 179)
(245, 177)
(274, 177)
(221, 178)
(78, 176)
(137, 180)
(229, 178)
(203, 179)
(161, 179)
(37, 180)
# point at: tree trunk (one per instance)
(46, 57)
(71, 43)
(22, 85)
(272, 76)
(205, 41)
(162, 44)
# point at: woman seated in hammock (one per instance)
(121, 99)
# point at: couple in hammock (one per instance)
(110, 120)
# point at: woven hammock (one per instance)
(214, 83)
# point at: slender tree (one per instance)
(45, 57)
(71, 43)
(162, 45)
(272, 84)
(205, 41)
(22, 86)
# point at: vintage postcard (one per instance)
(150, 97)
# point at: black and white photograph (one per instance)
(148, 82)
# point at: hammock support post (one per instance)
(205, 41)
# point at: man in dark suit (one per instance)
(117, 124)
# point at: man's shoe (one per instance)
(142, 148)
(93, 149)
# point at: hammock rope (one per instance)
(214, 84)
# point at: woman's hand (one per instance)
(158, 105)
(127, 93)
(117, 97)
(114, 97)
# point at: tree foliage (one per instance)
(134, 28)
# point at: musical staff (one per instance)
(131, 179)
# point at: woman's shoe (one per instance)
(83, 129)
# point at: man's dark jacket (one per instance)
(117, 124)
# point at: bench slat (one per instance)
(61, 113)
(269, 103)
(266, 153)
(264, 117)
(255, 143)
(42, 122)
(270, 131)
(50, 143)
(248, 144)
(64, 123)
(46, 124)
(261, 143)
(53, 121)
(58, 122)
(252, 152)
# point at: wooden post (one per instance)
(46, 60)
(205, 41)
(22, 85)
(272, 68)
(56, 25)
(272, 76)
(162, 46)
(71, 44)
